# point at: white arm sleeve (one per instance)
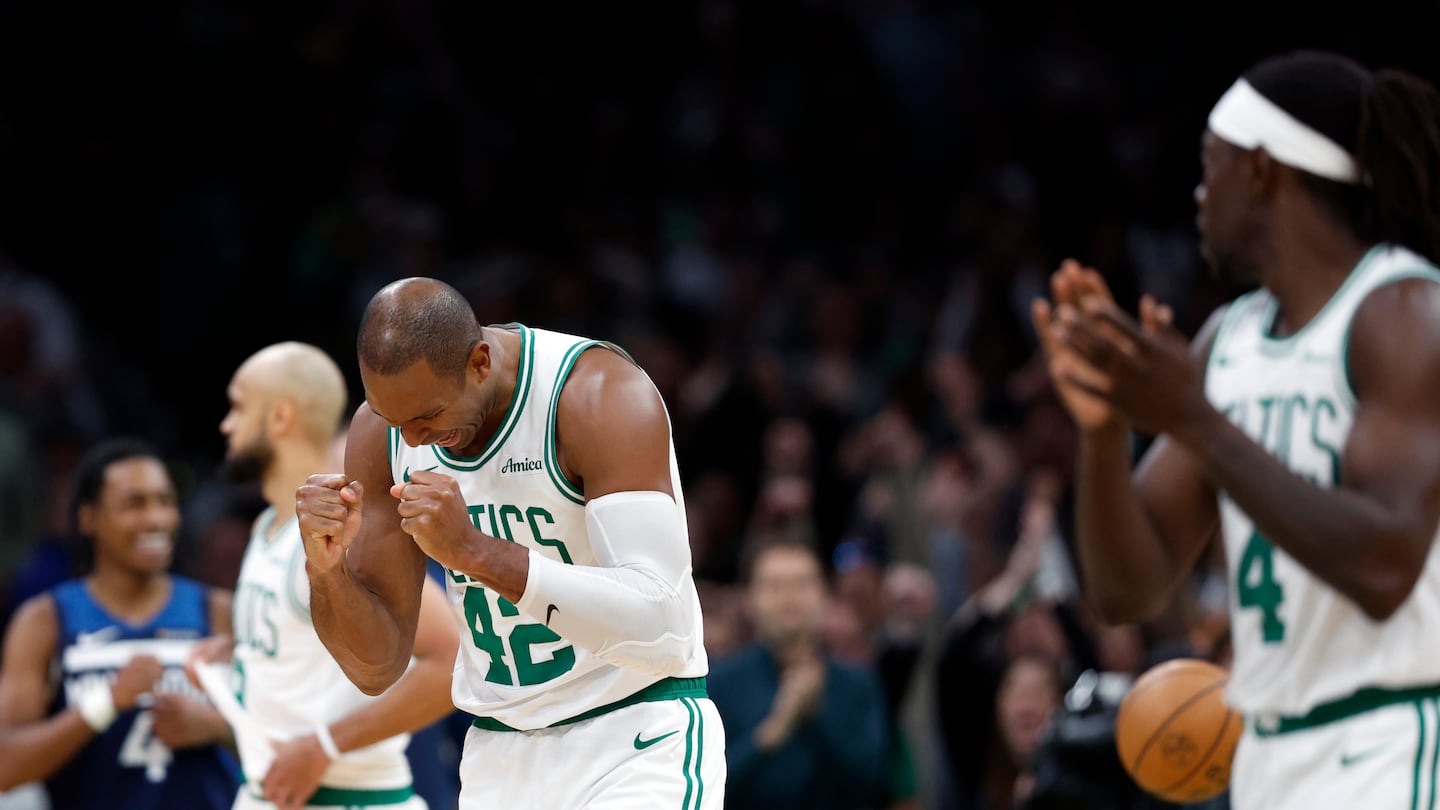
(638, 609)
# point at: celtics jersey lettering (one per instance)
(513, 668)
(1297, 641)
(285, 677)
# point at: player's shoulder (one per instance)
(604, 379)
(369, 433)
(39, 608)
(365, 423)
(1404, 302)
(1209, 332)
(369, 447)
(1393, 340)
(1397, 281)
(35, 625)
(1251, 302)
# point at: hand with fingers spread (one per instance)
(1076, 381)
(328, 508)
(1151, 378)
(433, 512)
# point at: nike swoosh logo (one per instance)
(643, 744)
(98, 636)
(1346, 760)
(548, 612)
(406, 476)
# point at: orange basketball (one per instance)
(1175, 735)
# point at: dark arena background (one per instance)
(817, 224)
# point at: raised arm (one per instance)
(639, 608)
(1139, 534)
(365, 572)
(1369, 536)
(1139, 531)
(422, 695)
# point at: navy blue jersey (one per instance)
(127, 766)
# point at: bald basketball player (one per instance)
(325, 743)
(538, 468)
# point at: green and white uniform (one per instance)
(557, 724)
(288, 683)
(1319, 682)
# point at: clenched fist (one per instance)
(328, 507)
(135, 679)
(433, 511)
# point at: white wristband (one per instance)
(97, 706)
(327, 743)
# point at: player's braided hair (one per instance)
(1399, 147)
(1389, 120)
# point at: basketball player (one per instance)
(334, 745)
(538, 468)
(121, 726)
(1304, 426)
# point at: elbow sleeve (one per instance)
(638, 607)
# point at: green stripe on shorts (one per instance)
(699, 750)
(689, 746)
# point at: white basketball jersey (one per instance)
(513, 668)
(1297, 641)
(286, 679)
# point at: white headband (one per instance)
(1249, 120)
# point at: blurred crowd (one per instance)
(817, 224)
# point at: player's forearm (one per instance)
(33, 752)
(1352, 541)
(361, 633)
(633, 617)
(418, 699)
(637, 608)
(500, 565)
(1126, 575)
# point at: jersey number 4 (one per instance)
(526, 672)
(1256, 586)
(142, 749)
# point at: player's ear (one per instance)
(479, 359)
(282, 416)
(1264, 174)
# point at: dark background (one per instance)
(189, 173)
(817, 224)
